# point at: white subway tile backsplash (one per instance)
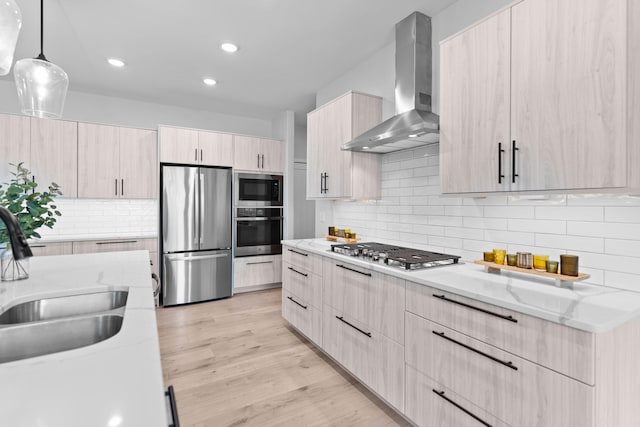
(622, 247)
(570, 213)
(604, 230)
(542, 226)
(509, 211)
(510, 237)
(612, 230)
(570, 243)
(622, 214)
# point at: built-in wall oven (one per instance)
(258, 214)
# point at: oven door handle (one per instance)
(259, 218)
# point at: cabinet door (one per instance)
(315, 157)
(178, 145)
(98, 246)
(256, 271)
(246, 153)
(474, 108)
(335, 125)
(216, 149)
(98, 161)
(54, 154)
(14, 144)
(569, 93)
(48, 249)
(274, 158)
(138, 163)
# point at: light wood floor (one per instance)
(236, 362)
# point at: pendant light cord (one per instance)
(41, 56)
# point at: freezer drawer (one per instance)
(196, 276)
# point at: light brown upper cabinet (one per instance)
(195, 147)
(14, 144)
(54, 155)
(331, 172)
(115, 162)
(258, 154)
(543, 96)
(48, 148)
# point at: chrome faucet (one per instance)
(19, 246)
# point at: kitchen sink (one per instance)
(27, 340)
(64, 306)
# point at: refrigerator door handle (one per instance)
(196, 211)
(195, 258)
(200, 206)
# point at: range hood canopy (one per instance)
(414, 124)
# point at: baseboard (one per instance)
(256, 288)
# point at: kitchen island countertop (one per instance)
(116, 382)
(586, 307)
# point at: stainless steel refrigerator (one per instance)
(196, 233)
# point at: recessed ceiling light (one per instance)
(229, 47)
(365, 148)
(209, 82)
(115, 62)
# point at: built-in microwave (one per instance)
(258, 190)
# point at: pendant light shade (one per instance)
(10, 23)
(42, 86)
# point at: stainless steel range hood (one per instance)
(414, 124)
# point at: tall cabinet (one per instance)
(331, 172)
(540, 97)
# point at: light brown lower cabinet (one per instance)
(48, 249)
(301, 314)
(97, 246)
(373, 358)
(428, 403)
(517, 391)
(256, 272)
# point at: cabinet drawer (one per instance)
(429, 404)
(257, 270)
(303, 283)
(371, 298)
(563, 349)
(302, 259)
(375, 359)
(47, 249)
(115, 245)
(303, 316)
(517, 391)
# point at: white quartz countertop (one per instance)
(586, 307)
(114, 383)
(89, 237)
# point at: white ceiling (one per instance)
(288, 48)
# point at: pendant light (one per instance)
(10, 23)
(42, 85)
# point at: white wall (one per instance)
(92, 108)
(603, 230)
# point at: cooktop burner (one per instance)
(395, 256)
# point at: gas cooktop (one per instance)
(395, 256)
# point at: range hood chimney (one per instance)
(413, 124)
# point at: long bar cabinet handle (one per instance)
(122, 187)
(260, 262)
(116, 186)
(513, 161)
(508, 364)
(500, 174)
(491, 313)
(355, 271)
(299, 272)
(296, 252)
(466, 411)
(116, 242)
(296, 302)
(340, 318)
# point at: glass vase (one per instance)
(12, 269)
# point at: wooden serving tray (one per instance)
(342, 239)
(492, 267)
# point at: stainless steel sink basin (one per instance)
(36, 339)
(65, 306)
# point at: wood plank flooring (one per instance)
(236, 362)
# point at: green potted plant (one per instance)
(33, 210)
